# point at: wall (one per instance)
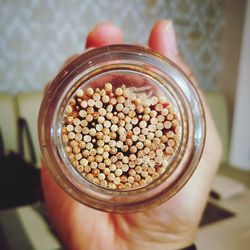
(230, 50)
(37, 36)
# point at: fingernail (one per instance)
(171, 39)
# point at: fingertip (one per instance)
(162, 39)
(105, 33)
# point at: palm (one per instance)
(171, 225)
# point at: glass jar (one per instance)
(142, 71)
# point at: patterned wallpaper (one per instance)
(37, 36)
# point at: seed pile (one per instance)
(118, 139)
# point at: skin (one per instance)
(173, 224)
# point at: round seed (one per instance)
(158, 133)
(159, 107)
(106, 131)
(127, 185)
(89, 91)
(89, 118)
(87, 138)
(112, 167)
(144, 174)
(78, 137)
(111, 177)
(139, 145)
(101, 166)
(101, 177)
(169, 150)
(167, 124)
(148, 179)
(84, 104)
(109, 115)
(152, 128)
(79, 93)
(84, 162)
(106, 171)
(132, 172)
(170, 117)
(91, 158)
(99, 135)
(98, 104)
(117, 180)
(164, 112)
(170, 134)
(171, 142)
(128, 126)
(101, 119)
(124, 179)
(109, 109)
(138, 169)
(105, 99)
(131, 179)
(137, 178)
(78, 129)
(84, 123)
(155, 175)
(91, 103)
(93, 165)
(87, 169)
(95, 172)
(134, 121)
(99, 127)
(135, 137)
(102, 111)
(153, 113)
(118, 91)
(69, 109)
(126, 111)
(113, 101)
(71, 135)
(112, 185)
(96, 97)
(107, 124)
(146, 117)
(114, 128)
(119, 107)
(70, 128)
(136, 130)
(108, 87)
(133, 149)
(78, 156)
(98, 158)
(118, 172)
(120, 99)
(154, 120)
(114, 120)
(104, 183)
(132, 114)
(125, 167)
(113, 150)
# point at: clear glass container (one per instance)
(143, 72)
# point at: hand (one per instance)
(169, 226)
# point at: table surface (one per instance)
(232, 233)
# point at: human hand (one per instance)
(173, 224)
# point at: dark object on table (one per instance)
(19, 182)
(214, 213)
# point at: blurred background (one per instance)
(35, 39)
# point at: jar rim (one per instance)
(92, 60)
